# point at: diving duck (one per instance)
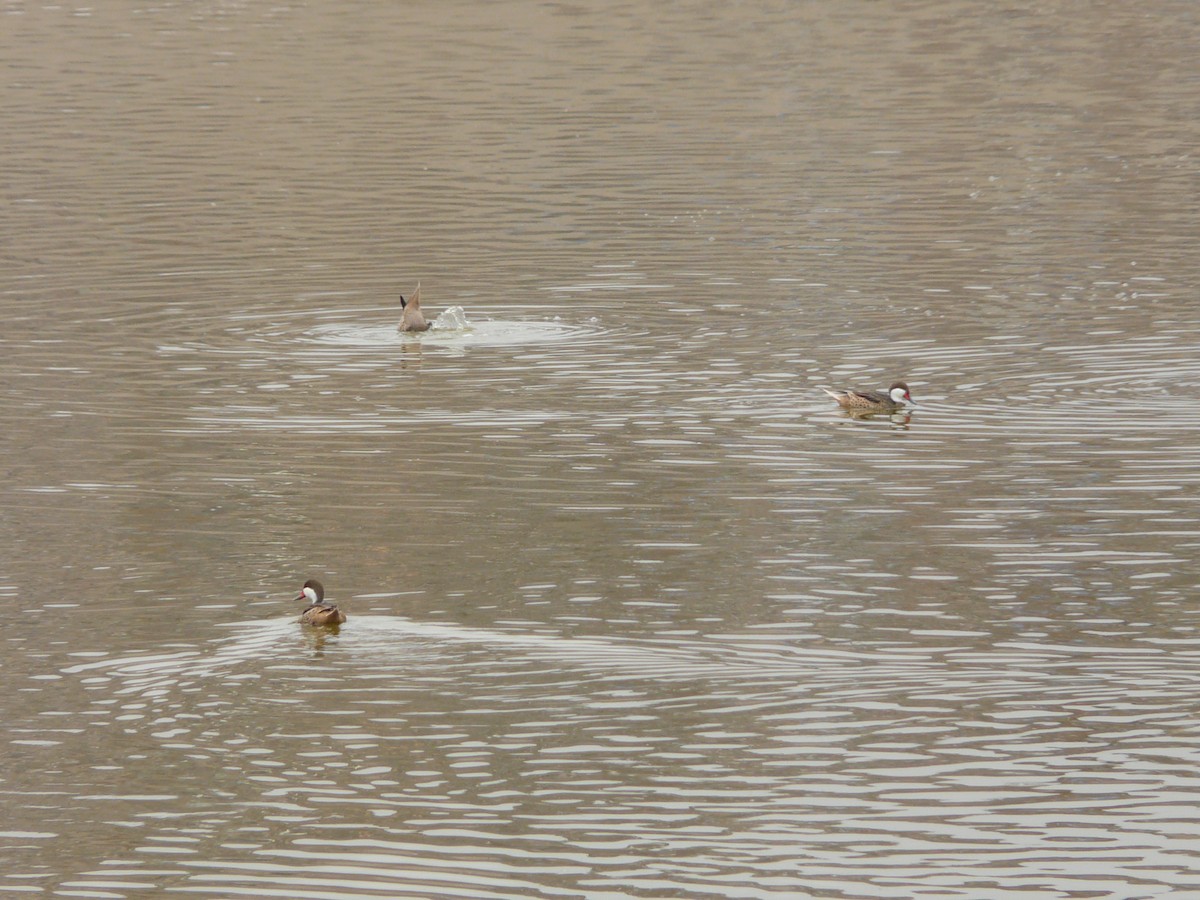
(319, 611)
(411, 319)
(874, 401)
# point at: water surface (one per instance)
(635, 610)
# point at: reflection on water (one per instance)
(635, 609)
(459, 333)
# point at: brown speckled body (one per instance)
(411, 319)
(872, 401)
(322, 615)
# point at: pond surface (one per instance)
(635, 611)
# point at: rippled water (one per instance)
(635, 610)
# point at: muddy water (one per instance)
(635, 611)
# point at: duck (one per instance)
(411, 319)
(874, 401)
(319, 611)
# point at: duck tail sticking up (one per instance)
(411, 318)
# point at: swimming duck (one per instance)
(874, 401)
(319, 611)
(411, 319)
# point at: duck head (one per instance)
(313, 591)
(899, 393)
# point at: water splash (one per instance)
(452, 319)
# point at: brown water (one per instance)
(635, 611)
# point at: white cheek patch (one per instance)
(310, 595)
